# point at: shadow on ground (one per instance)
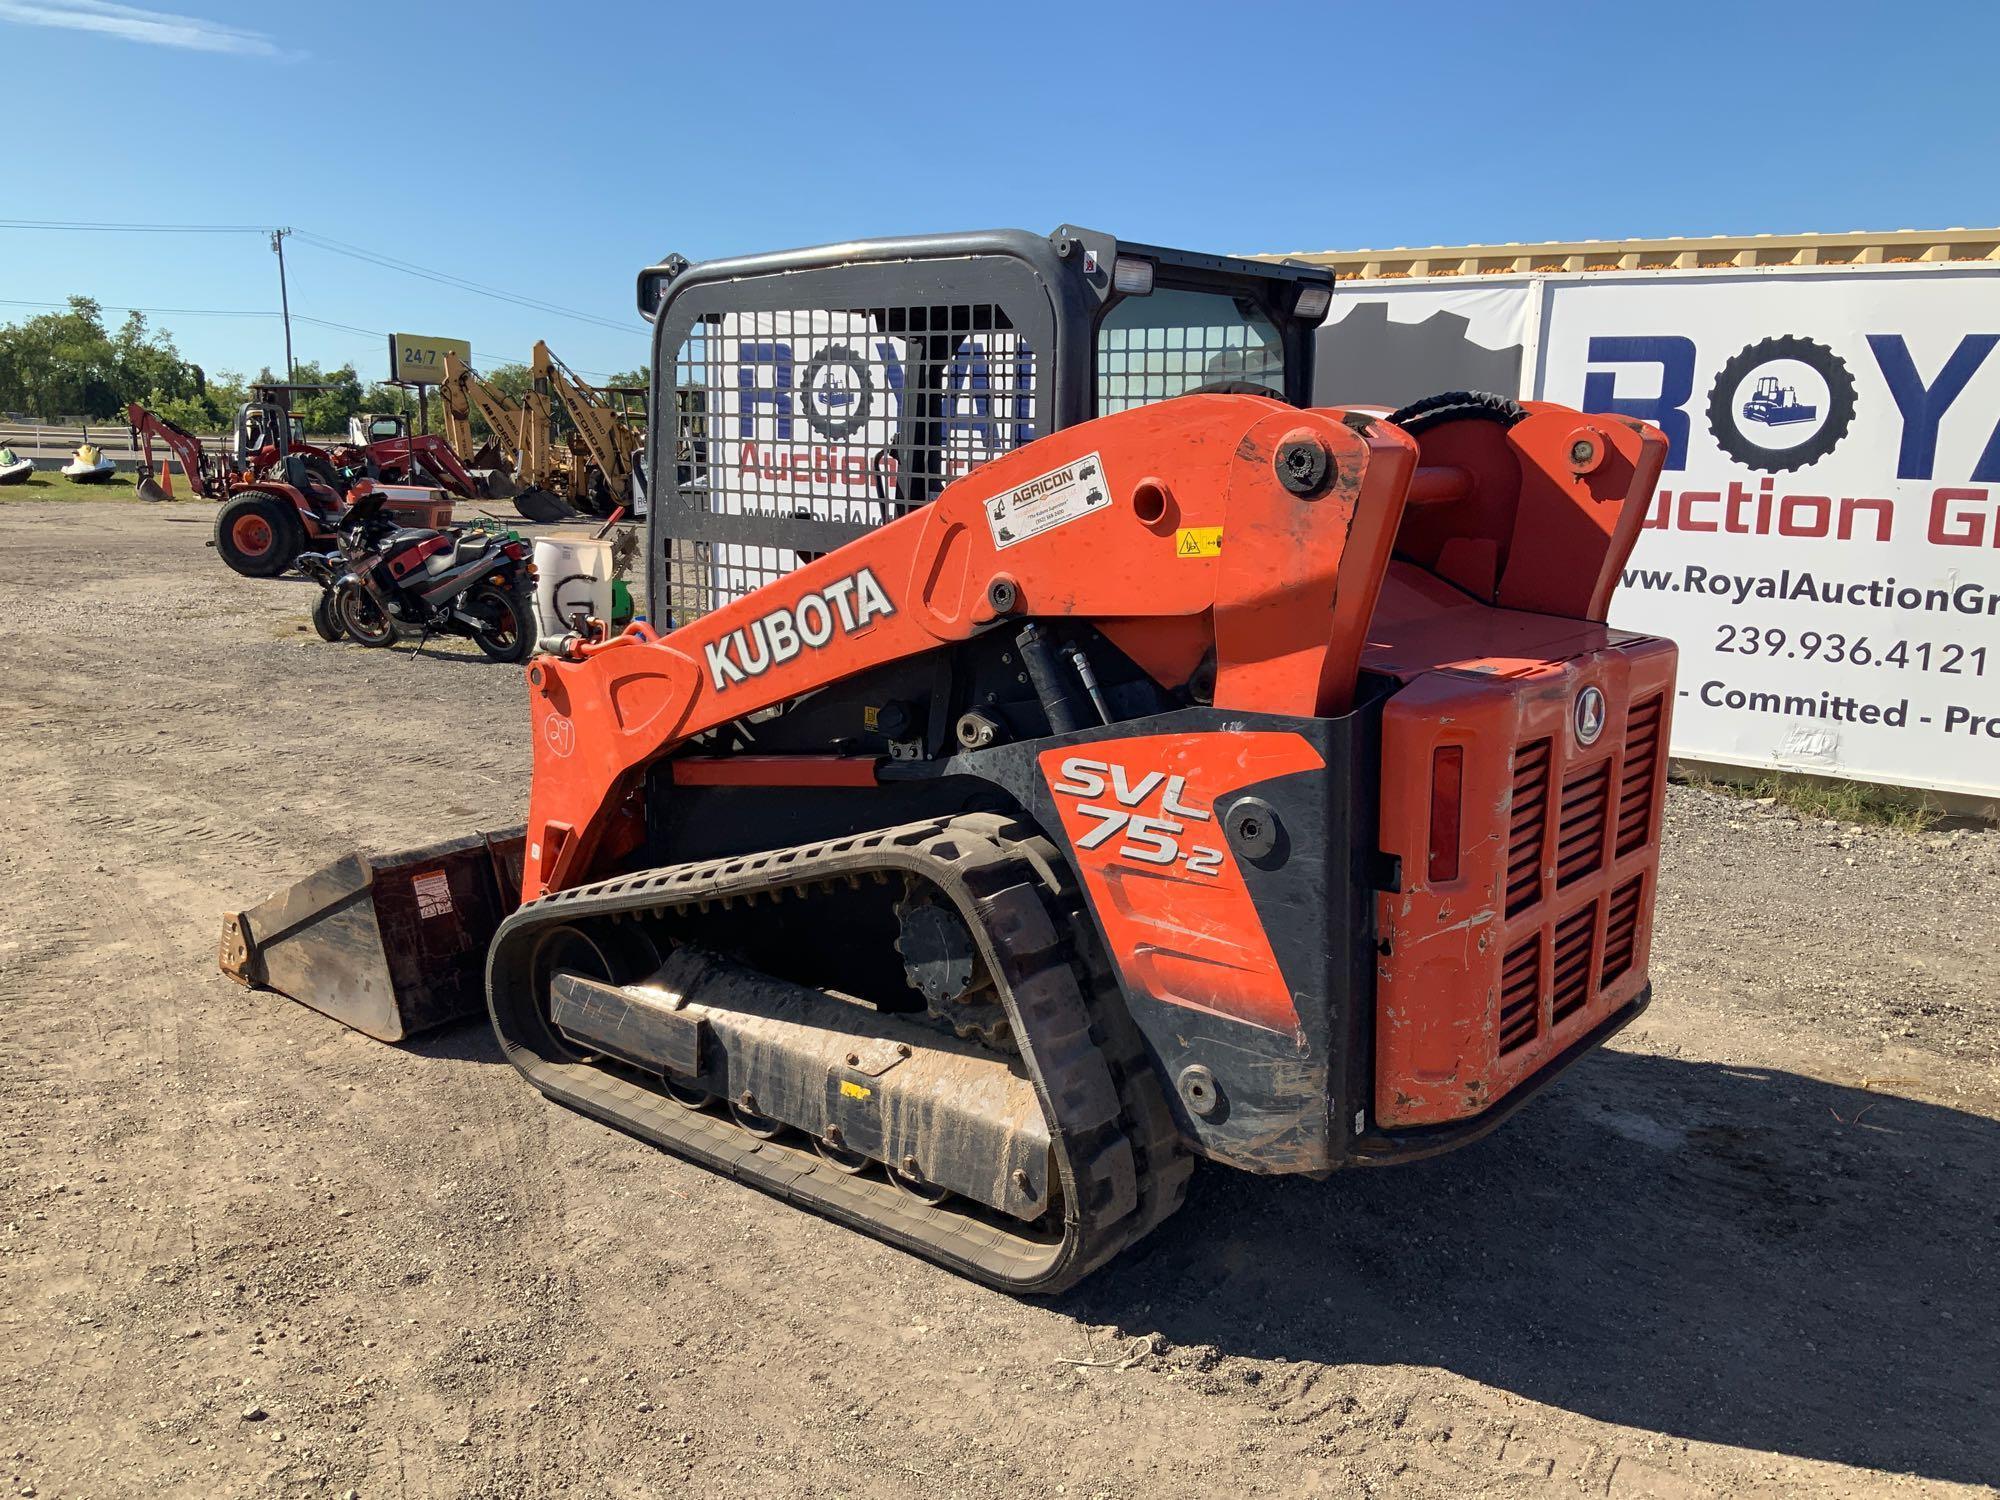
(1728, 1255)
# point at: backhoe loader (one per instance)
(499, 460)
(1066, 748)
(595, 474)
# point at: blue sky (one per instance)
(550, 150)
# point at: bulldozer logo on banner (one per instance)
(846, 605)
(1781, 404)
(836, 391)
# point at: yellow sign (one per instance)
(419, 359)
(1198, 541)
(855, 1090)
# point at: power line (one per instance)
(446, 278)
(336, 247)
(177, 312)
(134, 228)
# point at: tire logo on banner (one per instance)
(1781, 404)
(837, 392)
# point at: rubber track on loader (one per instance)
(1118, 1157)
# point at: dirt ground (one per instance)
(1748, 1250)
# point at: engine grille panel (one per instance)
(1521, 995)
(1621, 929)
(1640, 776)
(1529, 827)
(1580, 835)
(1570, 970)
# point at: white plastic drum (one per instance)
(574, 573)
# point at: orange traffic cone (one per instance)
(166, 479)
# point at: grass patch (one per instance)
(46, 484)
(1905, 810)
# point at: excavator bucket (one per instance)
(390, 944)
(538, 504)
(148, 489)
(496, 483)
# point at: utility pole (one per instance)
(284, 300)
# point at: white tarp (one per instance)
(1825, 542)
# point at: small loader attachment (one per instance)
(390, 944)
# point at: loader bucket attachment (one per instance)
(390, 944)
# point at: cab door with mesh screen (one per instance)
(816, 404)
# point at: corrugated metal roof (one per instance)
(1677, 253)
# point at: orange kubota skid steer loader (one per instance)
(1065, 752)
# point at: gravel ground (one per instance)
(1747, 1250)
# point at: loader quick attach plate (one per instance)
(390, 944)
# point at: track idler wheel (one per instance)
(610, 955)
(913, 1182)
(743, 1111)
(686, 1095)
(834, 1152)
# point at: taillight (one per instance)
(1447, 782)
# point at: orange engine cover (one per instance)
(1491, 971)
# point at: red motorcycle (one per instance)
(388, 580)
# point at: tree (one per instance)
(64, 364)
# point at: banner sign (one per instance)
(1391, 343)
(1825, 542)
(418, 359)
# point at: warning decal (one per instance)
(1198, 541)
(433, 894)
(1048, 501)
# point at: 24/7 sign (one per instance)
(419, 359)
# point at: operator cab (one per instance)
(816, 394)
(376, 427)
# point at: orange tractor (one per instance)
(282, 495)
(1069, 748)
